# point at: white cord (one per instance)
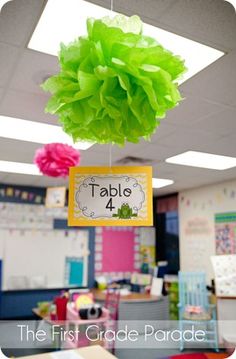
(110, 156)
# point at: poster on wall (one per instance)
(110, 196)
(225, 275)
(55, 197)
(147, 244)
(74, 271)
(225, 233)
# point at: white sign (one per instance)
(110, 196)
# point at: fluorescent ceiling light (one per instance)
(18, 167)
(65, 20)
(37, 132)
(161, 182)
(203, 160)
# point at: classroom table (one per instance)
(47, 319)
(138, 307)
(100, 296)
(226, 315)
(91, 352)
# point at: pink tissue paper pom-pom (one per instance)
(55, 159)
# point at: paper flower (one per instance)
(114, 84)
(55, 159)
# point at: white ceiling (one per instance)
(205, 120)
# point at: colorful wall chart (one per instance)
(225, 230)
(110, 196)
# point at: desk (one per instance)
(41, 315)
(47, 319)
(86, 353)
(139, 307)
(100, 296)
(226, 315)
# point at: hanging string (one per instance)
(110, 156)
(110, 148)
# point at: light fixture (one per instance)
(69, 22)
(19, 167)
(161, 182)
(203, 160)
(37, 132)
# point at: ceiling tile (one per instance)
(18, 151)
(225, 146)
(44, 181)
(3, 176)
(164, 129)
(191, 109)
(144, 10)
(155, 151)
(93, 158)
(184, 139)
(17, 20)
(217, 82)
(221, 123)
(7, 61)
(27, 106)
(32, 69)
(19, 179)
(206, 21)
(1, 93)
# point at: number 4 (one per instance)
(109, 205)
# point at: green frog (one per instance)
(125, 212)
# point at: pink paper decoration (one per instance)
(55, 159)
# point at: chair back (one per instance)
(192, 289)
(112, 302)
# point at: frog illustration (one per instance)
(125, 212)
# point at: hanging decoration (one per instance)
(115, 84)
(55, 159)
(105, 196)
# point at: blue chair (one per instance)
(194, 308)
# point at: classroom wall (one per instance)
(197, 225)
(21, 198)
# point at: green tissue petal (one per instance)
(115, 84)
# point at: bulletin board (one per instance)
(117, 251)
(38, 258)
(225, 228)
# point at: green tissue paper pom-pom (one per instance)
(114, 84)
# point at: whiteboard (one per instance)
(37, 258)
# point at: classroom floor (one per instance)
(132, 354)
(166, 354)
